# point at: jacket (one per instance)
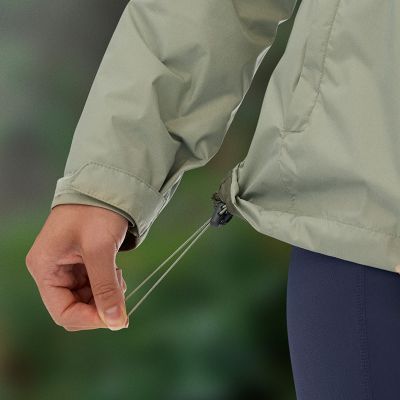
(323, 168)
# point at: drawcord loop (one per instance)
(220, 216)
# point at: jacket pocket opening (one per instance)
(307, 86)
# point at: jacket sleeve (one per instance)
(166, 91)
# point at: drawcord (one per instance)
(220, 216)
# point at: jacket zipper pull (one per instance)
(220, 216)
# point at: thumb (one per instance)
(107, 292)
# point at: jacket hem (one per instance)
(320, 234)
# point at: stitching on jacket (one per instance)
(68, 189)
(98, 196)
(366, 228)
(290, 211)
(337, 221)
(285, 185)
(73, 190)
(322, 74)
(107, 201)
(123, 172)
(75, 171)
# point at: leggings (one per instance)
(343, 322)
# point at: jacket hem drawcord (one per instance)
(220, 216)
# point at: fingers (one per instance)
(75, 271)
(66, 311)
(72, 313)
(105, 284)
(68, 297)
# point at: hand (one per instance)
(73, 264)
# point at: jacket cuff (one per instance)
(109, 187)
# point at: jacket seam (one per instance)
(74, 190)
(322, 74)
(117, 170)
(98, 196)
(128, 174)
(91, 194)
(334, 220)
(68, 189)
(285, 185)
(290, 211)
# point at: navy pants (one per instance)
(343, 322)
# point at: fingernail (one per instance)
(114, 317)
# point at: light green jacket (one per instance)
(323, 169)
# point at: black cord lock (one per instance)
(221, 215)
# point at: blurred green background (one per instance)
(216, 328)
